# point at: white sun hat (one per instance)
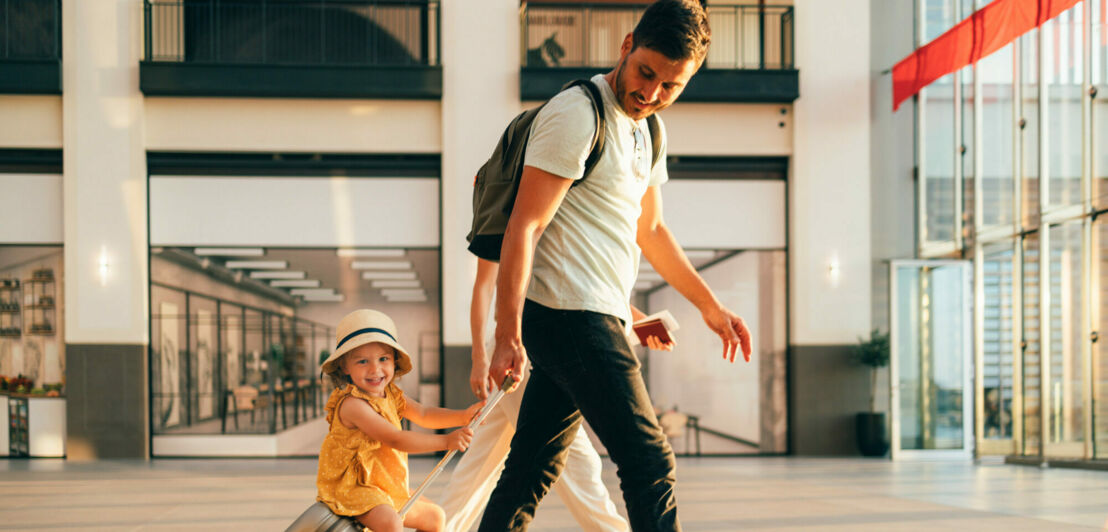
(362, 327)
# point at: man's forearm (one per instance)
(669, 260)
(516, 255)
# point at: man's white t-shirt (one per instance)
(587, 258)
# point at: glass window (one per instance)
(1064, 76)
(255, 344)
(1100, 104)
(1100, 348)
(939, 16)
(1066, 415)
(168, 356)
(1029, 125)
(997, 125)
(232, 345)
(967, 147)
(998, 262)
(938, 153)
(1031, 382)
(201, 359)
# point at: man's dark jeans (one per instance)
(582, 365)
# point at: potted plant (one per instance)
(870, 427)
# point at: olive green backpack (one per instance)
(497, 182)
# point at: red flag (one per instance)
(986, 31)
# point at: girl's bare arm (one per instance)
(438, 418)
(357, 412)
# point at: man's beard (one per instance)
(622, 95)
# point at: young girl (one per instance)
(363, 464)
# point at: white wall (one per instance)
(33, 212)
(729, 129)
(695, 377)
(30, 121)
(480, 95)
(294, 212)
(293, 125)
(752, 129)
(829, 203)
(105, 173)
(715, 214)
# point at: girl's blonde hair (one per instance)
(340, 379)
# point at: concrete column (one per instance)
(105, 228)
(829, 224)
(481, 59)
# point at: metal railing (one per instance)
(743, 36)
(293, 32)
(30, 30)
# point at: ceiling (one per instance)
(333, 272)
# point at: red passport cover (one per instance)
(651, 328)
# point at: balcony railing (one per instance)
(751, 45)
(392, 41)
(743, 37)
(296, 32)
(30, 46)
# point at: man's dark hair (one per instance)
(677, 29)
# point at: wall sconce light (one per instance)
(103, 266)
(833, 270)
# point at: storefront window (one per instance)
(201, 361)
(1066, 416)
(939, 16)
(168, 337)
(968, 153)
(1064, 76)
(1100, 348)
(1029, 126)
(997, 379)
(939, 161)
(1100, 103)
(32, 329)
(1031, 347)
(996, 72)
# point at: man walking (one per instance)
(562, 298)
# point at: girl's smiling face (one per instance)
(370, 367)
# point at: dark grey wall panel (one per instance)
(455, 376)
(106, 411)
(826, 390)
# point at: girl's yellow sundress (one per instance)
(356, 472)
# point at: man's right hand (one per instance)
(508, 357)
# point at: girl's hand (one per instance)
(474, 408)
(459, 439)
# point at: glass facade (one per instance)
(219, 367)
(1014, 172)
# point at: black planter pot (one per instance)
(872, 433)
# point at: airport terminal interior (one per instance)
(901, 198)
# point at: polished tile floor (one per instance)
(714, 494)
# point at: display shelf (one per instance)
(18, 436)
(36, 425)
(11, 315)
(39, 316)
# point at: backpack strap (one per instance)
(601, 125)
(655, 133)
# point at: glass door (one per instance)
(931, 363)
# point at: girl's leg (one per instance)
(382, 518)
(425, 516)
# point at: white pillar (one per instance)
(104, 173)
(829, 189)
(481, 59)
(105, 229)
